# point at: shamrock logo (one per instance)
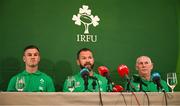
(86, 18)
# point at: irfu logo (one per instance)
(86, 18)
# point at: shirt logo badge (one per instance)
(41, 81)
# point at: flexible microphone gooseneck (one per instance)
(104, 71)
(123, 71)
(85, 75)
(157, 80)
(138, 79)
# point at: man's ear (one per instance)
(39, 58)
(136, 67)
(77, 61)
(24, 58)
(152, 66)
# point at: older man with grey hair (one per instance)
(143, 81)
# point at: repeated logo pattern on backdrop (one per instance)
(84, 17)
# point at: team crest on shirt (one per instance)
(41, 86)
(41, 81)
(77, 84)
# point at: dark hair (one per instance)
(83, 49)
(31, 47)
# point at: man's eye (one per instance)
(29, 55)
(83, 58)
(140, 63)
(35, 54)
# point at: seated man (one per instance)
(31, 79)
(144, 81)
(86, 80)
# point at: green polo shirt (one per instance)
(34, 82)
(79, 84)
(147, 86)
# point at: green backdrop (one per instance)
(126, 30)
(178, 63)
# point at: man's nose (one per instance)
(33, 56)
(144, 64)
(87, 61)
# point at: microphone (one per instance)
(156, 79)
(85, 74)
(103, 70)
(123, 71)
(118, 88)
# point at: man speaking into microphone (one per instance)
(143, 81)
(86, 80)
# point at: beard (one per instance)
(87, 65)
(33, 65)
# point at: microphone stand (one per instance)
(94, 81)
(141, 89)
(100, 96)
(85, 82)
(108, 86)
(129, 84)
(140, 85)
(94, 84)
(127, 87)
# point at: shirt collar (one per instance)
(25, 72)
(146, 81)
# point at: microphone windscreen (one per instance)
(123, 70)
(84, 72)
(103, 70)
(156, 76)
(118, 88)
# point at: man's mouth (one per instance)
(87, 64)
(33, 60)
(144, 69)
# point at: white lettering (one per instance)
(83, 38)
(78, 38)
(86, 38)
(94, 38)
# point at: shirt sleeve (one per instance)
(65, 88)
(12, 85)
(165, 86)
(50, 86)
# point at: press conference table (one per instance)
(86, 99)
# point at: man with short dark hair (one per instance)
(31, 79)
(86, 80)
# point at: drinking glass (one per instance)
(20, 83)
(71, 83)
(171, 81)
